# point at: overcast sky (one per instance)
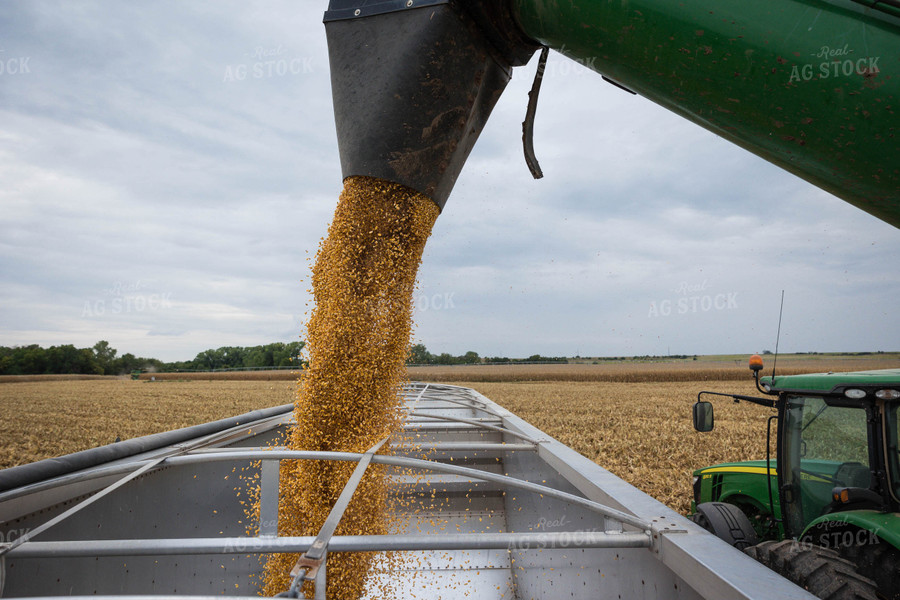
(152, 196)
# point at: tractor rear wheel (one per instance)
(819, 570)
(880, 562)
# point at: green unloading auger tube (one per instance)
(812, 86)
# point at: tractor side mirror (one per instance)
(703, 416)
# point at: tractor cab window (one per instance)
(893, 447)
(825, 447)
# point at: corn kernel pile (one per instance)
(358, 339)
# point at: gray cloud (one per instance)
(165, 184)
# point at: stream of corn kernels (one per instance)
(358, 339)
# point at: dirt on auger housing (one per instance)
(358, 339)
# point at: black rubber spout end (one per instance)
(413, 83)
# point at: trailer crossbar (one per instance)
(339, 543)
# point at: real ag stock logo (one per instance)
(266, 63)
(693, 298)
(125, 298)
(835, 62)
(16, 65)
(11, 535)
(439, 301)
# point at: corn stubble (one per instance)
(46, 418)
(358, 338)
(641, 432)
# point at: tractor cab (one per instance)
(837, 453)
(836, 481)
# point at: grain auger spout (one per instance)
(812, 86)
(414, 82)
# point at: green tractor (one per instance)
(824, 511)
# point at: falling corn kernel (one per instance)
(358, 339)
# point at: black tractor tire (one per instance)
(727, 522)
(820, 571)
(879, 562)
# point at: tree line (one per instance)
(419, 355)
(278, 354)
(102, 359)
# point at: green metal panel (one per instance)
(738, 482)
(757, 467)
(810, 85)
(828, 529)
(742, 484)
(826, 382)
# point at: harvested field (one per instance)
(640, 371)
(641, 431)
(267, 375)
(703, 369)
(26, 378)
(49, 418)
